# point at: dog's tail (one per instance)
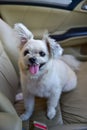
(71, 61)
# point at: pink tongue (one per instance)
(34, 69)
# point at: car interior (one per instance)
(66, 22)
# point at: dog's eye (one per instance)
(42, 53)
(26, 52)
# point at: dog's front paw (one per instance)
(24, 117)
(51, 113)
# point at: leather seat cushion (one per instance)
(8, 76)
(74, 103)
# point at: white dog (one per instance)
(43, 71)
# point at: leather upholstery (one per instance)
(9, 119)
(73, 104)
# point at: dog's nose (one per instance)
(32, 60)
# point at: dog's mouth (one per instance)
(34, 68)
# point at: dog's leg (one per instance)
(52, 103)
(29, 106)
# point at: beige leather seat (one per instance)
(73, 104)
(9, 119)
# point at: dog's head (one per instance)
(35, 54)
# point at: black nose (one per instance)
(32, 60)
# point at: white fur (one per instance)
(23, 31)
(71, 61)
(53, 78)
(19, 97)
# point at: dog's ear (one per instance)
(23, 33)
(54, 48)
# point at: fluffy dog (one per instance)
(43, 71)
